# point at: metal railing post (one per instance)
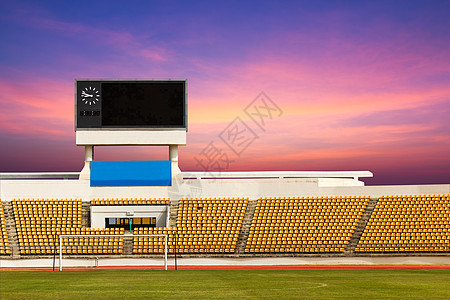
(60, 253)
(165, 252)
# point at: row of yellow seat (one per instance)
(314, 198)
(292, 249)
(73, 250)
(396, 225)
(405, 248)
(182, 243)
(46, 244)
(222, 200)
(94, 245)
(130, 201)
(300, 213)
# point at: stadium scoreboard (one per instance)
(130, 112)
(130, 104)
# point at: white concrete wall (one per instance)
(251, 188)
(79, 189)
(242, 261)
(10, 189)
(380, 190)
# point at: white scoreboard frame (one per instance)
(130, 137)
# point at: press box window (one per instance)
(130, 223)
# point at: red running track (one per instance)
(243, 267)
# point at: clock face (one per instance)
(90, 95)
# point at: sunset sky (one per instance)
(359, 85)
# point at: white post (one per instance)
(173, 157)
(167, 215)
(173, 152)
(88, 153)
(88, 157)
(60, 253)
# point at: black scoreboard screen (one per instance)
(131, 104)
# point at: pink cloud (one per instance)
(303, 89)
(132, 45)
(153, 54)
(36, 106)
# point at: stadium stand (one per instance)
(4, 244)
(130, 201)
(230, 226)
(203, 226)
(304, 225)
(40, 222)
(417, 223)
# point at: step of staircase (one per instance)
(128, 243)
(173, 213)
(350, 249)
(86, 214)
(11, 229)
(246, 224)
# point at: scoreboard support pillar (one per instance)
(173, 157)
(88, 157)
(88, 153)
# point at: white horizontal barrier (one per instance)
(211, 175)
(276, 175)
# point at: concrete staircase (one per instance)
(361, 226)
(86, 214)
(246, 224)
(11, 229)
(173, 213)
(128, 243)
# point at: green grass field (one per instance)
(251, 284)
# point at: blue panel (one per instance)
(131, 173)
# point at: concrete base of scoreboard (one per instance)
(131, 173)
(85, 173)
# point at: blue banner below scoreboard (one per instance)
(131, 173)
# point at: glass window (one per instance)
(130, 223)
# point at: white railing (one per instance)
(211, 175)
(276, 175)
